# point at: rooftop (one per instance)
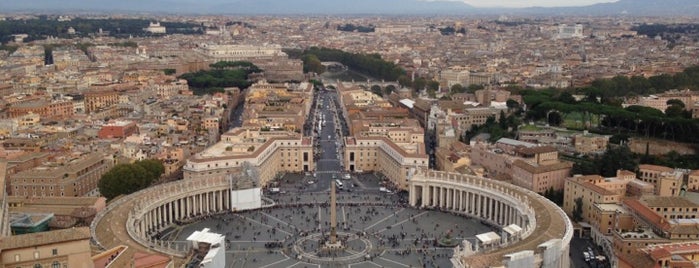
(45, 238)
(667, 201)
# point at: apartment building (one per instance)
(453, 157)
(594, 189)
(43, 108)
(529, 165)
(667, 181)
(117, 129)
(681, 254)
(656, 220)
(67, 175)
(587, 143)
(67, 211)
(60, 248)
(96, 100)
(271, 152)
(474, 117)
(396, 161)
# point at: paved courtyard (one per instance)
(397, 235)
(374, 223)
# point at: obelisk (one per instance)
(333, 216)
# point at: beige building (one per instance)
(67, 211)
(396, 161)
(594, 189)
(453, 158)
(682, 254)
(271, 152)
(693, 181)
(587, 143)
(69, 175)
(656, 220)
(454, 75)
(659, 101)
(533, 167)
(61, 248)
(96, 100)
(474, 117)
(667, 181)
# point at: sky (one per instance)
(530, 3)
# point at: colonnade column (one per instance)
(435, 196)
(450, 199)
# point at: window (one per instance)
(54, 251)
(56, 265)
(36, 255)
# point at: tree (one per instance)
(585, 167)
(419, 84)
(556, 196)
(554, 118)
(390, 89)
(433, 85)
(154, 167)
(566, 97)
(578, 209)
(457, 88)
(311, 64)
(473, 87)
(512, 105)
(405, 81)
(674, 111)
(123, 179)
(431, 93)
(377, 90)
(675, 102)
(615, 158)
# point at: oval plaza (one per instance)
(534, 232)
(527, 230)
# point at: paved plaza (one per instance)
(376, 226)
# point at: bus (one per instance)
(338, 183)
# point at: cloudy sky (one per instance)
(529, 3)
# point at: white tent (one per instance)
(488, 238)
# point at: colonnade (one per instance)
(165, 213)
(472, 202)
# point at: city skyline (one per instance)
(366, 7)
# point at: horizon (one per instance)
(360, 7)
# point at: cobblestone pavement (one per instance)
(400, 236)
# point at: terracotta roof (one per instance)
(537, 149)
(668, 201)
(646, 213)
(664, 251)
(655, 168)
(535, 169)
(149, 260)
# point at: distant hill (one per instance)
(349, 7)
(245, 6)
(628, 7)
